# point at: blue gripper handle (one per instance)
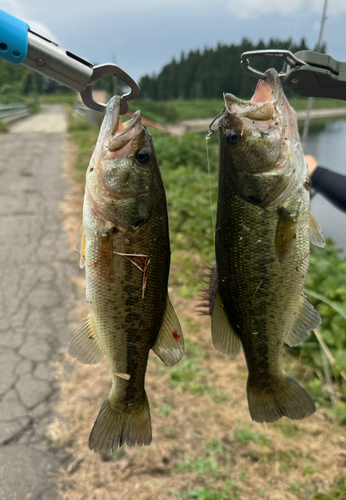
(13, 38)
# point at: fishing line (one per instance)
(209, 176)
(298, 18)
(210, 130)
(210, 133)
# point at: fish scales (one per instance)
(262, 294)
(263, 232)
(124, 247)
(127, 324)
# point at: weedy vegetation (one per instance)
(3, 127)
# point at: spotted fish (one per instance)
(263, 234)
(124, 247)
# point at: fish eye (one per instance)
(233, 137)
(143, 156)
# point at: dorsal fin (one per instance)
(208, 292)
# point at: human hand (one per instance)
(312, 164)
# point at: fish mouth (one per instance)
(262, 105)
(123, 133)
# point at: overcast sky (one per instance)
(144, 35)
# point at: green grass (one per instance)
(84, 136)
(174, 111)
(301, 103)
(70, 98)
(337, 492)
(245, 435)
(201, 465)
(287, 428)
(3, 128)
(226, 492)
(187, 370)
(164, 410)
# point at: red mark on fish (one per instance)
(123, 327)
(176, 335)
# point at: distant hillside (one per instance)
(209, 73)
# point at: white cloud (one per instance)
(17, 9)
(249, 9)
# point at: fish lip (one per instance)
(118, 140)
(243, 108)
(129, 124)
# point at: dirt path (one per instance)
(37, 301)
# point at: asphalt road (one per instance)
(38, 301)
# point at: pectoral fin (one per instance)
(80, 246)
(169, 345)
(316, 237)
(286, 233)
(306, 319)
(224, 337)
(83, 345)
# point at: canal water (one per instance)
(327, 142)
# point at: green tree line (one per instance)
(210, 73)
(17, 83)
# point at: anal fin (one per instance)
(306, 319)
(316, 237)
(83, 345)
(169, 345)
(224, 337)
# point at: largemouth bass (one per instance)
(263, 233)
(124, 246)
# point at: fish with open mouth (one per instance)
(124, 247)
(263, 234)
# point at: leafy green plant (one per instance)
(326, 290)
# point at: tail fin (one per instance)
(114, 427)
(286, 398)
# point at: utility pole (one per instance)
(311, 99)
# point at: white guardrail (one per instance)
(12, 112)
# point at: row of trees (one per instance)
(209, 73)
(17, 82)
